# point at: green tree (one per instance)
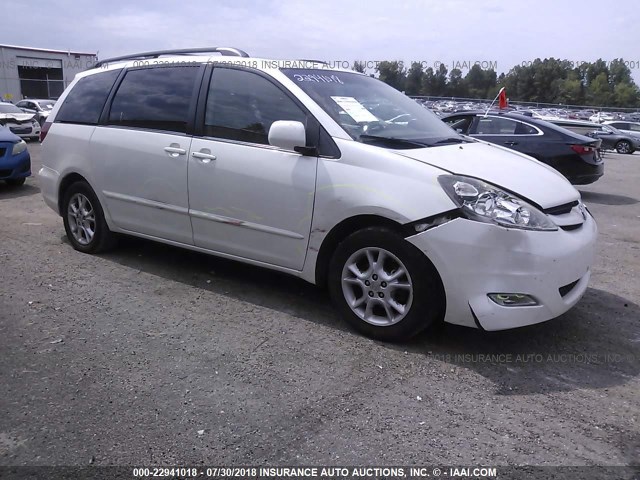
(599, 91)
(619, 72)
(392, 73)
(428, 82)
(413, 85)
(359, 66)
(481, 83)
(456, 86)
(626, 95)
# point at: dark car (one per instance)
(15, 161)
(612, 138)
(576, 156)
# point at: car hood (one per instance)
(7, 136)
(20, 117)
(502, 167)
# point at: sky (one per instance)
(458, 33)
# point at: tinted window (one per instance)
(242, 106)
(85, 101)
(460, 125)
(155, 98)
(524, 129)
(496, 126)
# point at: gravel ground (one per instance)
(153, 355)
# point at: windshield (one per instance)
(9, 108)
(609, 128)
(47, 104)
(371, 111)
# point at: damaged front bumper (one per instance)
(476, 259)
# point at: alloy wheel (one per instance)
(377, 286)
(82, 219)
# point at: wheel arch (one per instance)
(68, 180)
(341, 231)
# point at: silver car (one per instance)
(20, 123)
(38, 107)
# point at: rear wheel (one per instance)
(84, 220)
(384, 286)
(16, 182)
(623, 147)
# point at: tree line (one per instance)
(600, 83)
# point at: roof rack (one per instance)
(226, 51)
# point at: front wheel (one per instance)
(84, 220)
(623, 147)
(384, 286)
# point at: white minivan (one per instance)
(326, 174)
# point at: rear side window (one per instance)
(242, 106)
(496, 126)
(524, 129)
(155, 98)
(85, 101)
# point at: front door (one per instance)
(247, 198)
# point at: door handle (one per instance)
(511, 144)
(174, 150)
(203, 156)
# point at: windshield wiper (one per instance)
(396, 141)
(450, 140)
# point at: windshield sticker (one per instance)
(309, 77)
(355, 109)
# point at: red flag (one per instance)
(502, 99)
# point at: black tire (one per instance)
(16, 182)
(103, 239)
(428, 305)
(624, 147)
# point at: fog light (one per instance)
(512, 299)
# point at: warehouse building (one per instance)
(27, 72)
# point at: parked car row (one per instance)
(611, 137)
(446, 106)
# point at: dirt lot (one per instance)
(153, 355)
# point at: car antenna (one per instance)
(494, 101)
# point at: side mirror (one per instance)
(287, 135)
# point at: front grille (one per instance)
(20, 130)
(567, 288)
(561, 209)
(568, 228)
(2, 152)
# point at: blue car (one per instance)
(15, 161)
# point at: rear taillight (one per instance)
(581, 149)
(44, 130)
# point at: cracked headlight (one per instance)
(19, 147)
(487, 203)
